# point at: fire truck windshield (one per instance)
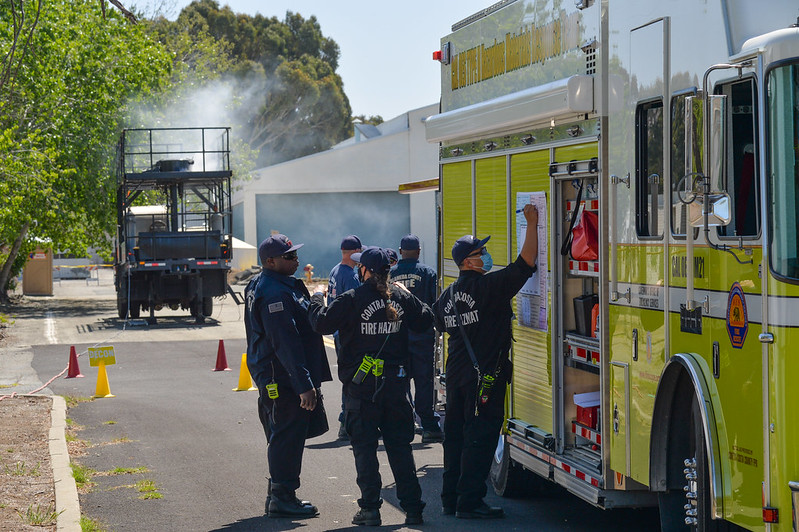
(783, 172)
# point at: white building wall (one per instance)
(400, 154)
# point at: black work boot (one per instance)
(284, 503)
(269, 497)
(368, 517)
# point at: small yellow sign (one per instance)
(101, 355)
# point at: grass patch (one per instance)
(39, 516)
(148, 489)
(110, 422)
(74, 400)
(90, 525)
(21, 469)
(124, 471)
(2, 386)
(82, 476)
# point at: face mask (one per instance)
(488, 262)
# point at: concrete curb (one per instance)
(66, 491)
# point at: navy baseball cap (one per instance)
(409, 243)
(275, 246)
(465, 246)
(392, 255)
(374, 259)
(351, 242)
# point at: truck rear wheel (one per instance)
(208, 306)
(511, 480)
(135, 310)
(122, 307)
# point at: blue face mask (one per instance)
(488, 262)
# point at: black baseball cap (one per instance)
(275, 246)
(409, 243)
(465, 246)
(374, 259)
(351, 242)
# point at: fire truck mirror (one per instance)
(718, 211)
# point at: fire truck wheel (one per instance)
(135, 310)
(701, 485)
(675, 513)
(511, 480)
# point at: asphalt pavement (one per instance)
(200, 442)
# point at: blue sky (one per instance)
(386, 47)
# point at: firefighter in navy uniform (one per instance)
(478, 305)
(288, 362)
(344, 277)
(421, 280)
(373, 322)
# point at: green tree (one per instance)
(291, 101)
(79, 71)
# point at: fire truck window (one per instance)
(742, 174)
(679, 216)
(783, 169)
(649, 169)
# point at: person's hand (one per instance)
(308, 399)
(402, 287)
(320, 289)
(531, 214)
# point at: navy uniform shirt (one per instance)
(483, 301)
(342, 278)
(281, 345)
(421, 280)
(364, 328)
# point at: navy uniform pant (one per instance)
(286, 426)
(469, 444)
(391, 417)
(421, 370)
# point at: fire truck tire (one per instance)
(135, 310)
(672, 504)
(208, 306)
(698, 451)
(511, 480)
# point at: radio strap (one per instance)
(484, 382)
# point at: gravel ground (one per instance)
(27, 495)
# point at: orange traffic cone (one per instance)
(103, 390)
(73, 370)
(221, 359)
(245, 380)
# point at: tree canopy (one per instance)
(73, 74)
(292, 101)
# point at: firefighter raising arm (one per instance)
(530, 247)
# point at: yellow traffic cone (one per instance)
(245, 381)
(103, 390)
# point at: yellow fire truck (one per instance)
(660, 372)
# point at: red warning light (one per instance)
(437, 55)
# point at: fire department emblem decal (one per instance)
(737, 319)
